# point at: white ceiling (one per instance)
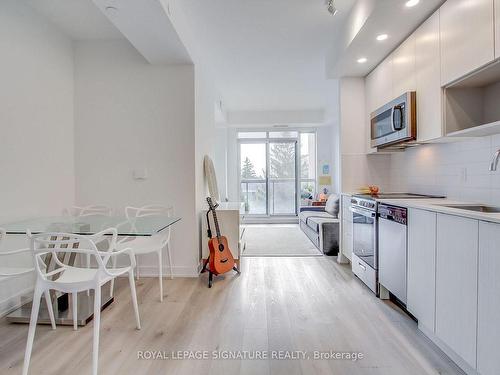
(79, 19)
(266, 54)
(148, 28)
(368, 19)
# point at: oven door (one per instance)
(364, 236)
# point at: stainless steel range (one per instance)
(365, 257)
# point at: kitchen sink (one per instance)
(477, 208)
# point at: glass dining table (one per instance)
(83, 225)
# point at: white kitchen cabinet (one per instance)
(421, 266)
(370, 95)
(403, 68)
(428, 80)
(467, 37)
(346, 227)
(456, 284)
(380, 82)
(378, 91)
(488, 362)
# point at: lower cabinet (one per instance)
(488, 335)
(456, 285)
(346, 227)
(421, 283)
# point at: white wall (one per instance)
(36, 122)
(220, 160)
(357, 168)
(204, 137)
(133, 115)
(324, 153)
(456, 170)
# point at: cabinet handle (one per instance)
(362, 266)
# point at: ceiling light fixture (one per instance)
(111, 10)
(412, 3)
(362, 60)
(382, 37)
(331, 7)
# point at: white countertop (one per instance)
(433, 204)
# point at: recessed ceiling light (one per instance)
(382, 37)
(362, 60)
(412, 3)
(111, 10)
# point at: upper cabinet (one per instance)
(403, 68)
(428, 80)
(467, 37)
(379, 85)
(378, 91)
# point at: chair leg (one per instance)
(112, 287)
(137, 268)
(50, 309)
(160, 274)
(88, 266)
(170, 261)
(74, 307)
(134, 298)
(31, 331)
(97, 323)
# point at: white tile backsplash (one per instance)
(458, 170)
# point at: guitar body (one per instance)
(221, 260)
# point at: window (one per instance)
(277, 171)
(307, 167)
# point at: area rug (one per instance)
(277, 240)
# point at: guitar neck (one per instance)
(216, 222)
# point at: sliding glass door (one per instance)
(282, 180)
(253, 177)
(268, 174)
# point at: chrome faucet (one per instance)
(494, 160)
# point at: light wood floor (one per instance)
(276, 304)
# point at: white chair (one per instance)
(7, 272)
(71, 279)
(149, 244)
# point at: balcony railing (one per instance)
(281, 199)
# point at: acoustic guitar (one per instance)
(220, 259)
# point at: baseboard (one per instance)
(14, 302)
(464, 366)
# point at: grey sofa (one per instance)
(321, 225)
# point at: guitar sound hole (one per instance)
(221, 247)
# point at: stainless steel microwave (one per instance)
(395, 122)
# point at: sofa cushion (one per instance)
(332, 205)
(305, 215)
(315, 222)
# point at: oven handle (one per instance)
(360, 211)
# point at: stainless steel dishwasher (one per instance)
(392, 251)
